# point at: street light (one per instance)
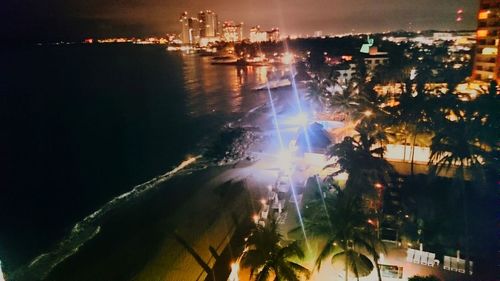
(255, 219)
(235, 268)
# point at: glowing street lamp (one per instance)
(235, 268)
(255, 219)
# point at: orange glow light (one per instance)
(483, 15)
(482, 33)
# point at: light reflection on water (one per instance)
(221, 88)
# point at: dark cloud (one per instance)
(75, 19)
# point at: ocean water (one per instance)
(83, 124)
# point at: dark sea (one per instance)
(82, 124)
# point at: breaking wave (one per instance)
(88, 228)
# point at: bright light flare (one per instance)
(285, 159)
(1, 273)
(287, 58)
(299, 120)
(235, 269)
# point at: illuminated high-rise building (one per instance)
(190, 29)
(208, 23)
(194, 31)
(487, 59)
(232, 32)
(184, 20)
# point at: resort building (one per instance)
(346, 71)
(375, 58)
(257, 35)
(232, 32)
(273, 34)
(487, 60)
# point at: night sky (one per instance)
(75, 19)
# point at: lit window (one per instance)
(482, 33)
(489, 51)
(483, 15)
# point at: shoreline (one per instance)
(254, 119)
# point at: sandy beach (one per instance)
(136, 240)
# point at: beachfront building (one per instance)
(184, 36)
(346, 72)
(257, 35)
(208, 23)
(273, 35)
(194, 31)
(190, 29)
(487, 59)
(209, 28)
(375, 58)
(232, 32)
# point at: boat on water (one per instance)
(232, 60)
(273, 84)
(229, 60)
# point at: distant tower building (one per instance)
(184, 20)
(190, 32)
(208, 23)
(487, 59)
(232, 32)
(256, 35)
(194, 31)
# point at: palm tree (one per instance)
(374, 129)
(371, 101)
(206, 267)
(342, 222)
(315, 93)
(413, 116)
(357, 158)
(374, 247)
(267, 255)
(458, 145)
(484, 110)
(346, 101)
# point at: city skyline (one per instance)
(58, 20)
